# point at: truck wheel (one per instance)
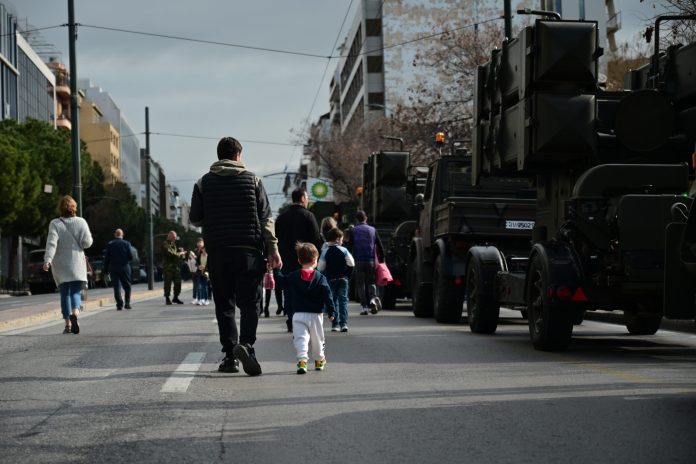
(389, 297)
(550, 327)
(448, 298)
(482, 307)
(641, 320)
(421, 294)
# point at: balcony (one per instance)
(614, 23)
(64, 123)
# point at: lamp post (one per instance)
(74, 118)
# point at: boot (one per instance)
(167, 300)
(177, 300)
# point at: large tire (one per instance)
(482, 307)
(550, 326)
(448, 298)
(421, 293)
(644, 319)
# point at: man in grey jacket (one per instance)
(231, 205)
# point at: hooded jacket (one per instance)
(306, 297)
(231, 205)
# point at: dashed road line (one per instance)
(181, 378)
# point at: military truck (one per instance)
(389, 208)
(455, 215)
(614, 229)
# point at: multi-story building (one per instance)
(27, 90)
(174, 212)
(154, 184)
(101, 138)
(129, 146)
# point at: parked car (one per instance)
(101, 278)
(39, 280)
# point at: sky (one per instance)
(200, 91)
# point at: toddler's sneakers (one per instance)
(319, 364)
(301, 366)
(334, 328)
(344, 328)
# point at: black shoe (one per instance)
(74, 328)
(167, 300)
(128, 306)
(177, 300)
(266, 313)
(118, 309)
(278, 311)
(229, 364)
(289, 324)
(247, 357)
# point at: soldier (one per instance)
(171, 264)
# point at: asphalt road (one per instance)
(142, 386)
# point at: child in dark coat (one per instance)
(310, 297)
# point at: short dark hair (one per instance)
(297, 194)
(360, 216)
(334, 234)
(228, 147)
(306, 252)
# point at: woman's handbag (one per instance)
(382, 274)
(268, 281)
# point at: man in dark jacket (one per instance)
(231, 205)
(117, 262)
(296, 224)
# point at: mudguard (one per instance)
(561, 266)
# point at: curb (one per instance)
(89, 304)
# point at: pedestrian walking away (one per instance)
(68, 236)
(171, 268)
(202, 277)
(296, 224)
(231, 205)
(337, 264)
(310, 299)
(365, 246)
(117, 262)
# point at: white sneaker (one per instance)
(206, 302)
(195, 302)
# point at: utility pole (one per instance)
(507, 16)
(74, 118)
(148, 209)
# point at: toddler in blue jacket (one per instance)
(310, 297)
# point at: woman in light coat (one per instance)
(68, 236)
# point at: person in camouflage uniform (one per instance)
(171, 268)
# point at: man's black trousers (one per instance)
(236, 275)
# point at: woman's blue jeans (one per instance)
(70, 297)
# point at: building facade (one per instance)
(129, 145)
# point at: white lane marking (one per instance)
(180, 379)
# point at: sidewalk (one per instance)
(16, 318)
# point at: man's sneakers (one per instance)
(195, 301)
(177, 300)
(229, 364)
(301, 366)
(319, 364)
(363, 312)
(74, 327)
(344, 328)
(375, 305)
(334, 328)
(245, 354)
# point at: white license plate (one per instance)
(519, 225)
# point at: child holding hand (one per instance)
(310, 297)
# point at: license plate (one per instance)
(519, 225)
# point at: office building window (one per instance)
(375, 64)
(373, 27)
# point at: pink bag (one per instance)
(268, 281)
(382, 274)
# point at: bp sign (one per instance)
(319, 190)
